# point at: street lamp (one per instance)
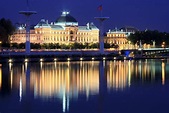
(163, 44)
(27, 13)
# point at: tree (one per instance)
(149, 37)
(107, 45)
(6, 30)
(94, 45)
(86, 45)
(21, 46)
(76, 46)
(64, 46)
(35, 46)
(15, 45)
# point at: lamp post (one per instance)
(163, 45)
(101, 35)
(27, 13)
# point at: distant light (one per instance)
(81, 58)
(114, 58)
(10, 60)
(20, 28)
(92, 58)
(65, 12)
(41, 60)
(26, 60)
(125, 58)
(104, 58)
(55, 59)
(68, 59)
(140, 49)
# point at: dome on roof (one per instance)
(66, 19)
(42, 23)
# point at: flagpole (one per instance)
(100, 8)
(27, 3)
(101, 19)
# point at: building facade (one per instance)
(64, 31)
(116, 37)
(119, 37)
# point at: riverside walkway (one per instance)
(76, 55)
(62, 55)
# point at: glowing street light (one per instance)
(163, 44)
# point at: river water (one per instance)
(131, 86)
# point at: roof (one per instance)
(129, 29)
(66, 17)
(42, 23)
(92, 26)
(89, 26)
(57, 27)
(82, 28)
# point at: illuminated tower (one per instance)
(27, 13)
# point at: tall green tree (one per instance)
(6, 30)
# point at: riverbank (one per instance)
(56, 55)
(48, 56)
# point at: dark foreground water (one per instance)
(85, 87)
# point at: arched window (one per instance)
(71, 32)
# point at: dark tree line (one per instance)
(58, 46)
(6, 30)
(149, 36)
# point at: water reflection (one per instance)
(117, 75)
(51, 79)
(71, 80)
(163, 72)
(121, 74)
(65, 79)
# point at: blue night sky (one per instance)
(142, 14)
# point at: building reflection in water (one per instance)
(70, 80)
(65, 80)
(163, 72)
(122, 74)
(118, 74)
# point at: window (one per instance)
(71, 32)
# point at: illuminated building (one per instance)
(116, 37)
(64, 31)
(119, 37)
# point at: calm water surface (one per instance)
(85, 87)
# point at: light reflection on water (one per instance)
(65, 78)
(70, 80)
